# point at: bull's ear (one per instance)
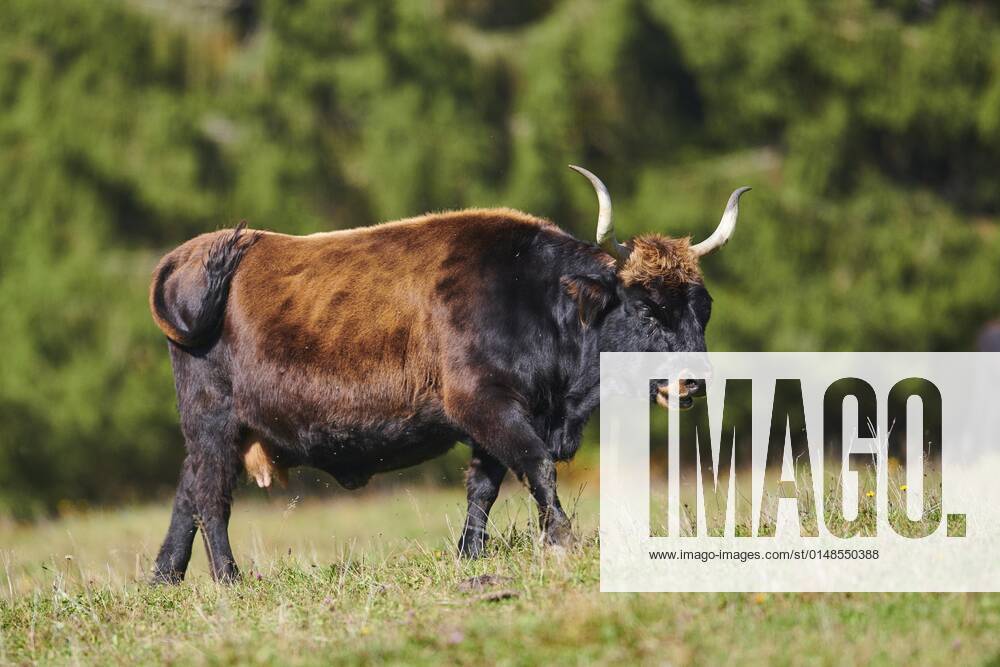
(592, 294)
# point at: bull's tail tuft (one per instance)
(188, 300)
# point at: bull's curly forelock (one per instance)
(657, 260)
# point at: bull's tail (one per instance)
(188, 297)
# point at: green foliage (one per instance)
(869, 130)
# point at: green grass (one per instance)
(865, 521)
(372, 578)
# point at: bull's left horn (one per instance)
(724, 231)
(605, 219)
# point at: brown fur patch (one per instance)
(590, 297)
(659, 261)
(340, 321)
(261, 467)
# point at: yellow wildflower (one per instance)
(870, 494)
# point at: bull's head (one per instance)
(655, 299)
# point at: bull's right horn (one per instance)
(724, 231)
(605, 220)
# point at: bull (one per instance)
(367, 350)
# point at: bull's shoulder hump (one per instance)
(474, 216)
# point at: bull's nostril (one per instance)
(696, 388)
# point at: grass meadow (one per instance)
(372, 578)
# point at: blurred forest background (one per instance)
(870, 130)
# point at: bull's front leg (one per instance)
(565, 441)
(482, 481)
(540, 476)
(503, 430)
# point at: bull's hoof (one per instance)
(166, 577)
(228, 576)
(559, 536)
(473, 545)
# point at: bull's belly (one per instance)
(352, 454)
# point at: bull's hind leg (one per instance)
(212, 437)
(204, 498)
(218, 465)
(172, 561)
(482, 482)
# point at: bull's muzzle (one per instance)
(687, 391)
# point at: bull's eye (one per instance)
(652, 313)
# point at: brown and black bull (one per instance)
(367, 350)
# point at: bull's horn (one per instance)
(720, 236)
(605, 220)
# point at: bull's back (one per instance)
(360, 324)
